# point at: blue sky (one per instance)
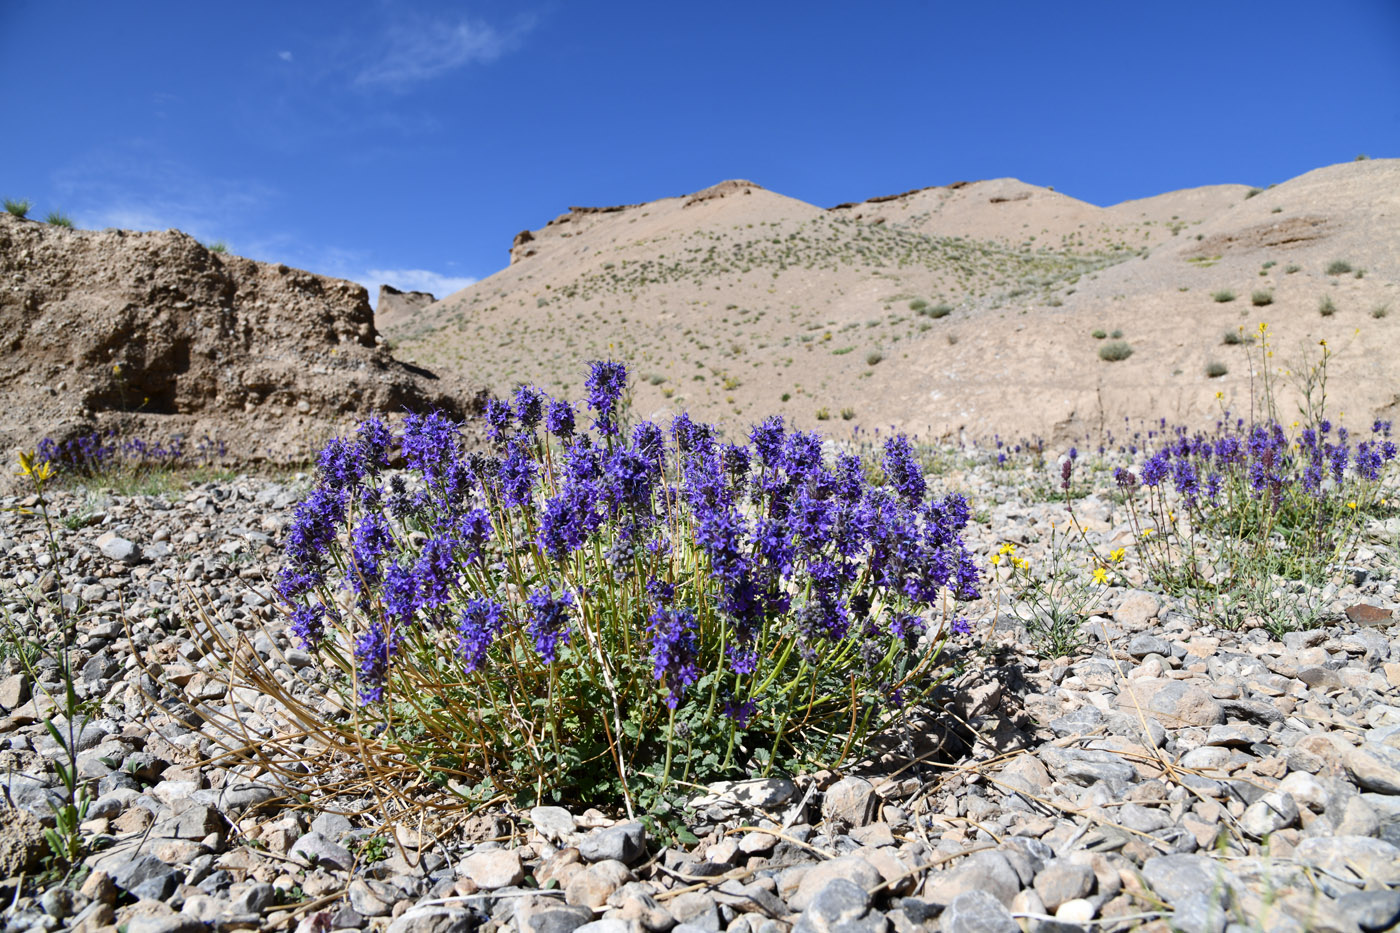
(409, 141)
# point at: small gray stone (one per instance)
(1361, 857)
(1375, 767)
(1371, 910)
(625, 843)
(1269, 814)
(1080, 722)
(1201, 912)
(1062, 880)
(146, 877)
(493, 868)
(977, 911)
(1176, 877)
(606, 925)
(57, 902)
(850, 802)
(372, 898)
(553, 918)
(850, 867)
(1321, 678)
(331, 825)
(987, 872)
(841, 906)
(254, 899)
(554, 823)
(763, 793)
(119, 549)
(315, 849)
(1143, 645)
(696, 910)
(436, 919)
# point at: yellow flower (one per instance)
(1007, 548)
(1100, 575)
(996, 560)
(1118, 555)
(1352, 504)
(1147, 532)
(41, 471)
(1263, 327)
(1219, 396)
(1021, 562)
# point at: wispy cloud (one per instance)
(422, 49)
(414, 280)
(285, 56)
(136, 188)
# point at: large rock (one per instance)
(21, 842)
(1175, 702)
(154, 335)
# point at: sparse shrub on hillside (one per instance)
(1223, 296)
(1326, 307)
(873, 358)
(1261, 298)
(1215, 369)
(1115, 351)
(218, 246)
(918, 304)
(1252, 192)
(847, 413)
(1338, 267)
(785, 397)
(656, 379)
(823, 414)
(1380, 311)
(1292, 268)
(59, 219)
(18, 207)
(936, 311)
(1115, 334)
(1236, 338)
(1099, 334)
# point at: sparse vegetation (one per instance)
(1261, 297)
(17, 207)
(1380, 311)
(1099, 334)
(1115, 351)
(1252, 192)
(1215, 369)
(1338, 267)
(1292, 268)
(873, 358)
(1326, 307)
(1223, 296)
(59, 219)
(1237, 337)
(218, 246)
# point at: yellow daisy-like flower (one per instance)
(1118, 555)
(1147, 532)
(1021, 562)
(41, 471)
(1007, 548)
(1100, 575)
(1352, 504)
(996, 560)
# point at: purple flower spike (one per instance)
(606, 381)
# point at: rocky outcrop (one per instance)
(394, 302)
(154, 334)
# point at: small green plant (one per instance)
(1326, 307)
(847, 413)
(1116, 334)
(1223, 296)
(59, 219)
(1236, 337)
(1292, 268)
(1261, 297)
(1115, 351)
(1338, 267)
(873, 358)
(218, 246)
(918, 304)
(17, 207)
(1215, 369)
(1252, 192)
(371, 850)
(785, 397)
(1052, 601)
(1380, 311)
(1099, 334)
(823, 414)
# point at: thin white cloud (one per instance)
(424, 49)
(413, 280)
(285, 56)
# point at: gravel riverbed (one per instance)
(1169, 775)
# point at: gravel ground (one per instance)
(1169, 775)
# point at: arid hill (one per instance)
(971, 308)
(155, 335)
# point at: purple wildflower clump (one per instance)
(579, 580)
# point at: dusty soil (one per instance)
(737, 302)
(155, 335)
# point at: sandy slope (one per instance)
(737, 302)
